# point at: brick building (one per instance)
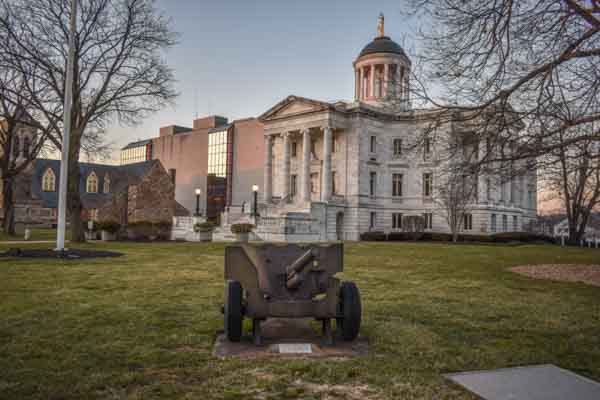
(129, 193)
(223, 159)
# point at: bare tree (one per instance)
(118, 72)
(497, 65)
(573, 174)
(22, 137)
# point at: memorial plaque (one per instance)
(295, 348)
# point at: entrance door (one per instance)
(339, 225)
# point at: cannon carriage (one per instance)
(267, 280)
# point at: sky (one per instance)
(238, 58)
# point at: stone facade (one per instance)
(329, 167)
(125, 194)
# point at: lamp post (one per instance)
(198, 193)
(255, 191)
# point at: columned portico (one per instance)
(326, 175)
(285, 170)
(268, 181)
(305, 191)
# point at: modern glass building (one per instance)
(136, 152)
(220, 169)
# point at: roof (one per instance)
(139, 143)
(120, 177)
(382, 44)
(220, 128)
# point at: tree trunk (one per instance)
(75, 207)
(8, 206)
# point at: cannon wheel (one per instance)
(350, 311)
(233, 311)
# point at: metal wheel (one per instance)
(233, 311)
(350, 312)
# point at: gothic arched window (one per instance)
(16, 147)
(49, 181)
(106, 184)
(91, 185)
(26, 147)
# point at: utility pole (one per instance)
(64, 161)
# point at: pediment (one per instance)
(294, 106)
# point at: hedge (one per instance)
(505, 237)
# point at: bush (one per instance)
(204, 227)
(86, 226)
(374, 236)
(414, 225)
(108, 226)
(148, 230)
(241, 228)
(524, 237)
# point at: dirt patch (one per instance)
(589, 274)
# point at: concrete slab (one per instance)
(538, 382)
(288, 338)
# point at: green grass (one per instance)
(37, 234)
(143, 326)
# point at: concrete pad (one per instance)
(539, 382)
(284, 337)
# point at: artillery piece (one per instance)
(267, 280)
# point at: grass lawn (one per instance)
(143, 326)
(37, 234)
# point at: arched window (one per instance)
(92, 183)
(49, 181)
(26, 147)
(16, 147)
(106, 184)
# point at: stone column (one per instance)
(372, 80)
(305, 191)
(361, 92)
(386, 79)
(326, 175)
(268, 184)
(356, 84)
(285, 170)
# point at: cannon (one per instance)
(268, 280)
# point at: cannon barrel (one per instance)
(294, 278)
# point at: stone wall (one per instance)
(153, 199)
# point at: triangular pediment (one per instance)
(294, 105)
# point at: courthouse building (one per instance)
(337, 170)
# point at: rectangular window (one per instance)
(294, 185)
(515, 223)
(427, 184)
(397, 147)
(504, 223)
(493, 223)
(373, 144)
(396, 221)
(468, 222)
(428, 217)
(333, 184)
(372, 220)
(294, 149)
(372, 183)
(397, 185)
(427, 147)
(488, 189)
(314, 183)
(334, 142)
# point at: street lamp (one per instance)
(255, 190)
(198, 193)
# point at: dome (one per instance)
(382, 44)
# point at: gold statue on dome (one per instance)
(381, 25)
